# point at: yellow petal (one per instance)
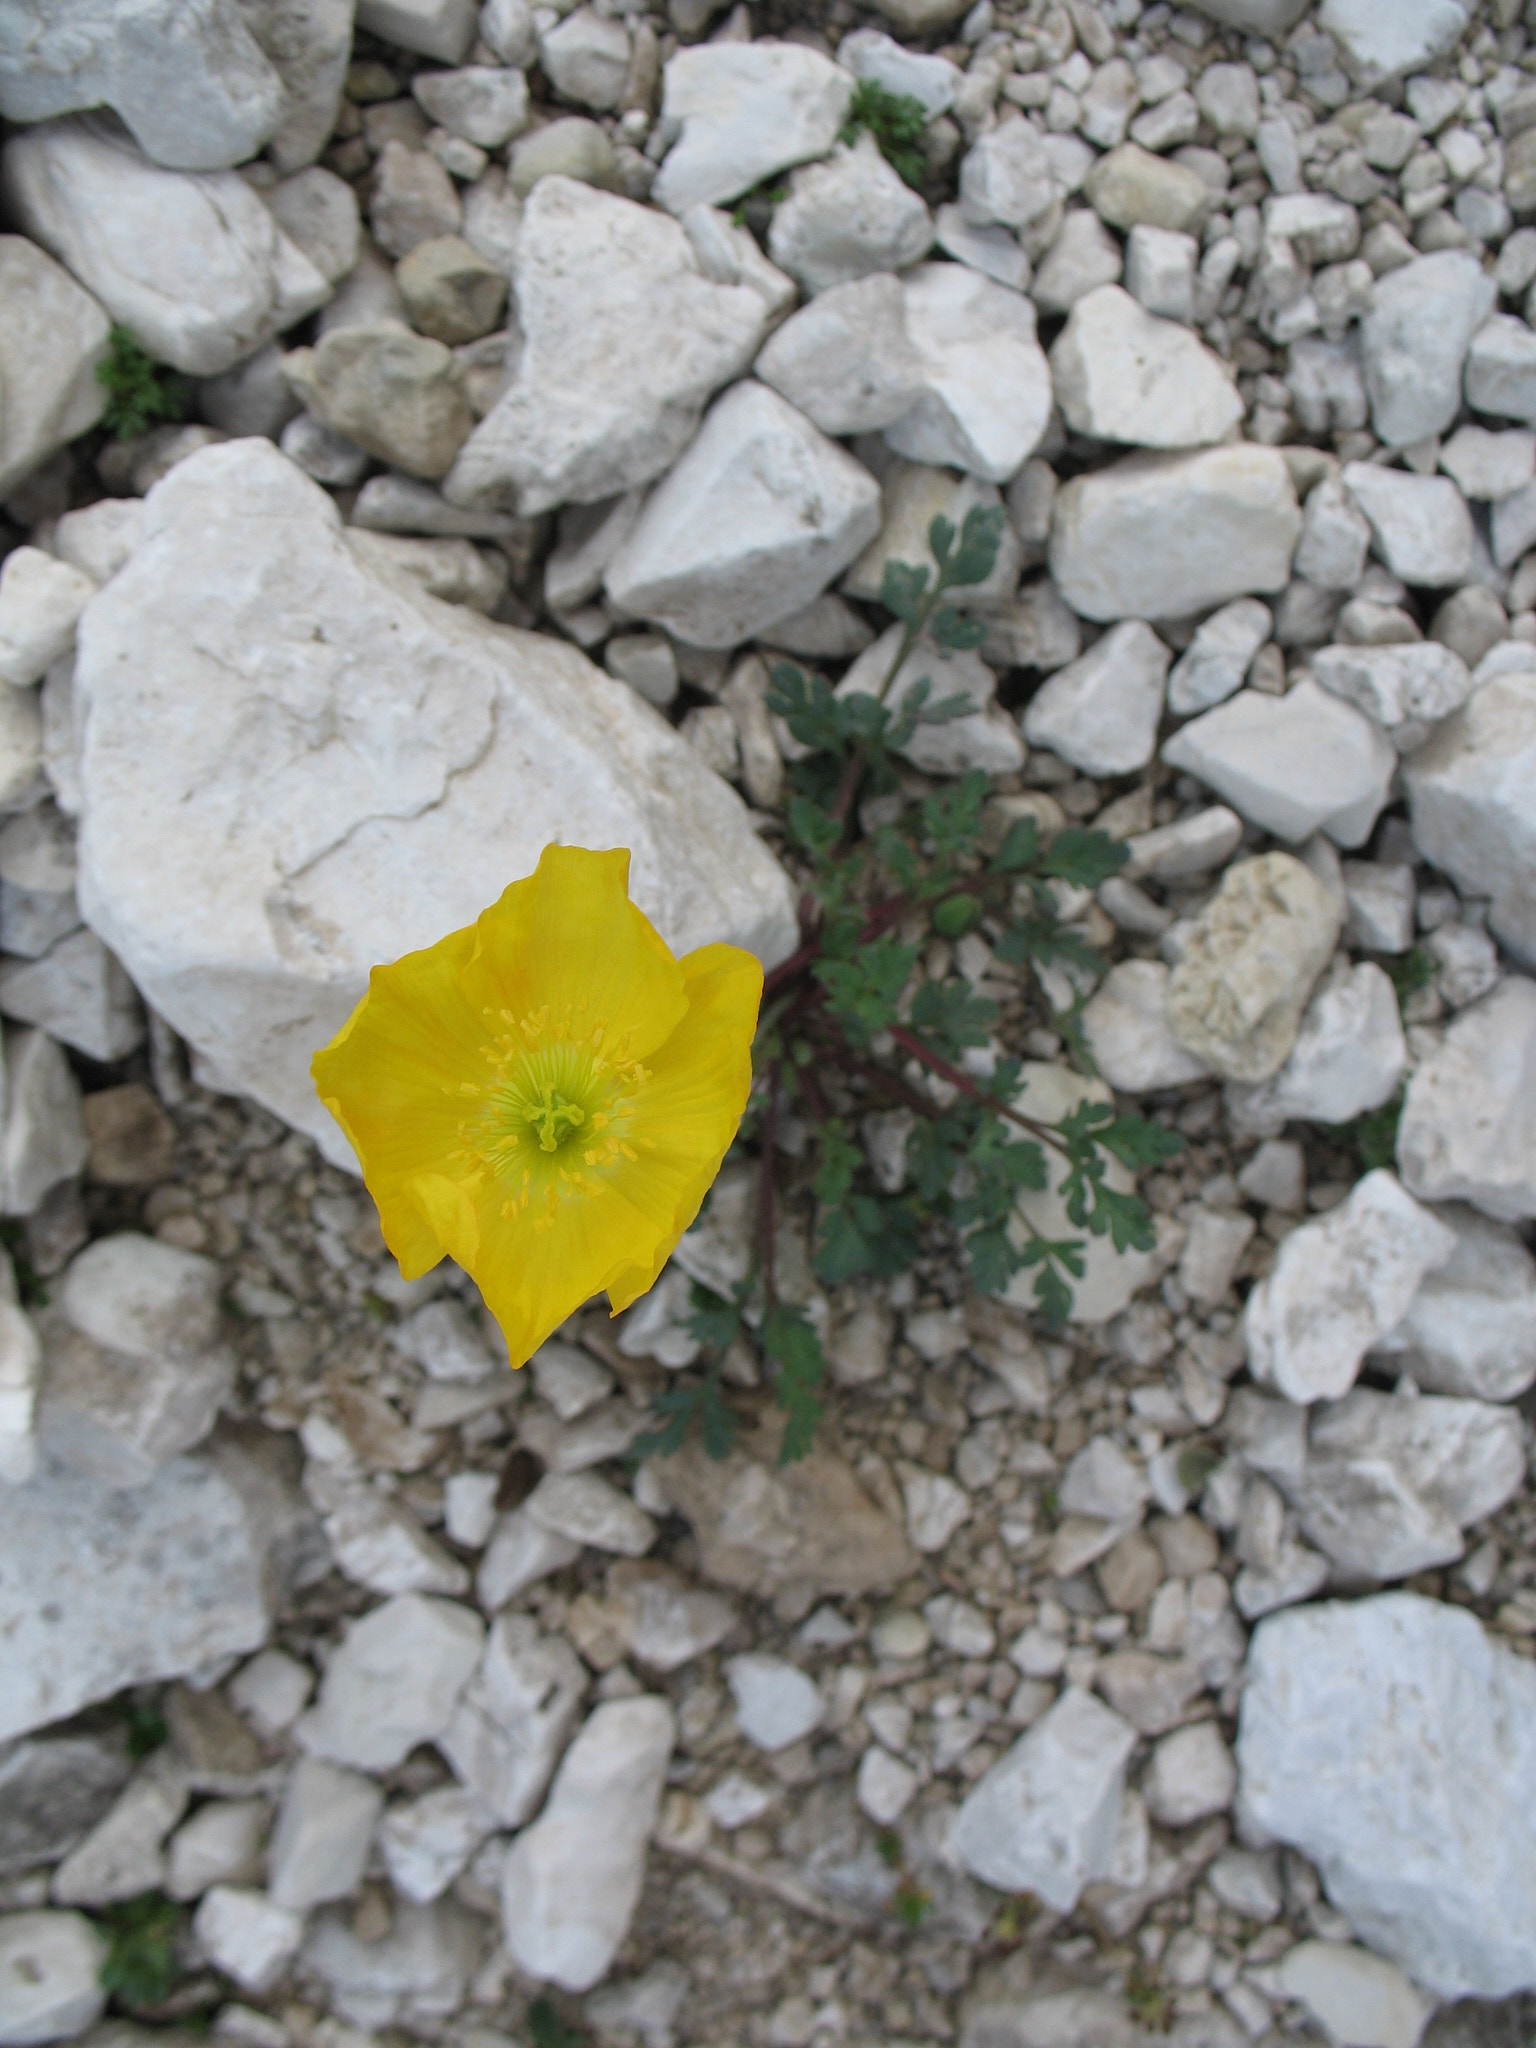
(692, 1104)
(569, 940)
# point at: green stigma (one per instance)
(554, 1117)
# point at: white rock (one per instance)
(484, 105)
(272, 1690)
(1161, 267)
(309, 45)
(324, 1831)
(1249, 963)
(1191, 1776)
(1405, 689)
(994, 251)
(393, 1682)
(912, 495)
(101, 1590)
(847, 218)
(573, 1878)
(663, 1621)
(1102, 1482)
(776, 1703)
(1214, 664)
(569, 1379)
(1044, 1818)
(1501, 369)
(986, 384)
(377, 1543)
(442, 1340)
(1212, 1251)
(624, 340)
(932, 81)
(936, 1507)
(755, 520)
(132, 1293)
(1083, 256)
(1007, 179)
(192, 919)
(443, 29)
(846, 360)
(1429, 1854)
(40, 601)
(517, 1556)
(1335, 538)
(729, 254)
(1414, 341)
(1353, 1995)
(1471, 1328)
(1101, 712)
(243, 1934)
(191, 261)
(318, 213)
(121, 1857)
(514, 1718)
(1420, 524)
(885, 1786)
(1110, 1278)
(1161, 536)
(1381, 905)
(1389, 1481)
(1378, 46)
(1297, 764)
(1126, 1026)
(1191, 845)
(1488, 465)
(415, 1978)
(53, 336)
(746, 110)
(1468, 1128)
(20, 1371)
(1121, 374)
(78, 993)
(426, 1842)
(220, 1844)
(1338, 1286)
(1349, 1057)
(1472, 797)
(587, 1509)
(99, 538)
(44, 1139)
(50, 1965)
(191, 85)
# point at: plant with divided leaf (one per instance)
(868, 1014)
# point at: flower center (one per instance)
(554, 1118)
(554, 1112)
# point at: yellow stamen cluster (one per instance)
(554, 1110)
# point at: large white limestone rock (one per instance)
(986, 383)
(1340, 1284)
(1468, 1128)
(1420, 525)
(104, 1589)
(187, 77)
(573, 1878)
(1121, 374)
(53, 337)
(746, 110)
(191, 261)
(624, 339)
(1407, 688)
(1472, 798)
(1349, 1057)
(758, 517)
(279, 795)
(1161, 536)
(846, 359)
(1430, 1852)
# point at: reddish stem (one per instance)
(961, 1080)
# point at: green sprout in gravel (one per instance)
(141, 1967)
(850, 1024)
(140, 392)
(897, 121)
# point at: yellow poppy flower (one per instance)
(546, 1095)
